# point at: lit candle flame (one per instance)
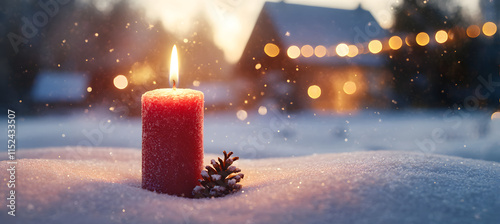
(174, 68)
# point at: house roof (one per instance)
(308, 25)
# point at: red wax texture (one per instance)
(172, 140)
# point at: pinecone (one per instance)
(220, 180)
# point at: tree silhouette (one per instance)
(434, 74)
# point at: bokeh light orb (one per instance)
(495, 116)
(314, 92)
(395, 42)
(473, 31)
(262, 110)
(350, 87)
(441, 36)
(422, 38)
(307, 51)
(272, 50)
(342, 50)
(320, 51)
(353, 51)
(241, 115)
(375, 46)
(489, 29)
(120, 82)
(293, 52)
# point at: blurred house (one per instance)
(301, 57)
(86, 58)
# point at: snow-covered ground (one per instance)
(103, 186)
(469, 135)
(371, 167)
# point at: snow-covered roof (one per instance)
(308, 25)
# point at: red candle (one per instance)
(172, 137)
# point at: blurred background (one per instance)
(280, 78)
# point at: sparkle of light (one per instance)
(422, 38)
(293, 52)
(120, 82)
(262, 110)
(395, 42)
(353, 51)
(320, 51)
(196, 83)
(272, 50)
(258, 66)
(307, 51)
(174, 68)
(89, 89)
(441, 36)
(314, 91)
(473, 31)
(349, 87)
(489, 29)
(375, 46)
(241, 115)
(342, 50)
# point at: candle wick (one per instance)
(174, 83)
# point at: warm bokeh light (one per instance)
(314, 91)
(120, 82)
(489, 29)
(262, 110)
(196, 83)
(342, 50)
(258, 66)
(451, 34)
(320, 51)
(307, 51)
(407, 41)
(89, 89)
(241, 115)
(422, 38)
(495, 116)
(293, 52)
(375, 46)
(441, 36)
(272, 50)
(353, 51)
(473, 31)
(395, 42)
(349, 87)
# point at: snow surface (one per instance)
(102, 185)
(463, 133)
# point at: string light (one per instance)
(441, 36)
(376, 46)
(422, 39)
(395, 42)
(489, 29)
